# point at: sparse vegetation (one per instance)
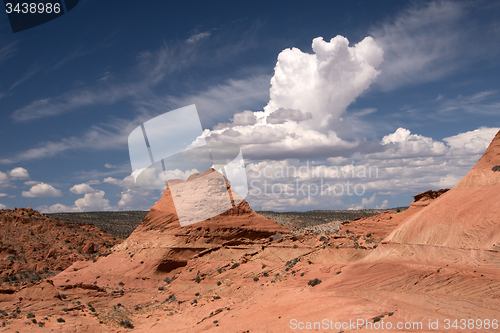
(120, 224)
(126, 324)
(314, 282)
(317, 221)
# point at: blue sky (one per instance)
(410, 88)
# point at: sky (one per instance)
(334, 104)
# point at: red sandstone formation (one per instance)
(35, 246)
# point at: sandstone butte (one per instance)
(240, 272)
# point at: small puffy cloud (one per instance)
(400, 135)
(365, 202)
(93, 202)
(128, 181)
(402, 143)
(89, 203)
(473, 141)
(82, 189)
(2, 206)
(384, 205)
(57, 208)
(136, 199)
(109, 166)
(19, 173)
(3, 178)
(245, 118)
(42, 190)
(3, 195)
(31, 182)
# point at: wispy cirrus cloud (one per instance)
(430, 40)
(67, 102)
(151, 69)
(199, 36)
(112, 135)
(223, 99)
(483, 102)
(8, 51)
(450, 109)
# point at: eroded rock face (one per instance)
(32, 244)
(428, 196)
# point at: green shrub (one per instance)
(314, 282)
(126, 324)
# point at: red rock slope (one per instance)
(466, 217)
(33, 245)
(160, 245)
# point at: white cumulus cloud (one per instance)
(3, 178)
(309, 94)
(82, 189)
(93, 202)
(19, 173)
(42, 190)
(90, 202)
